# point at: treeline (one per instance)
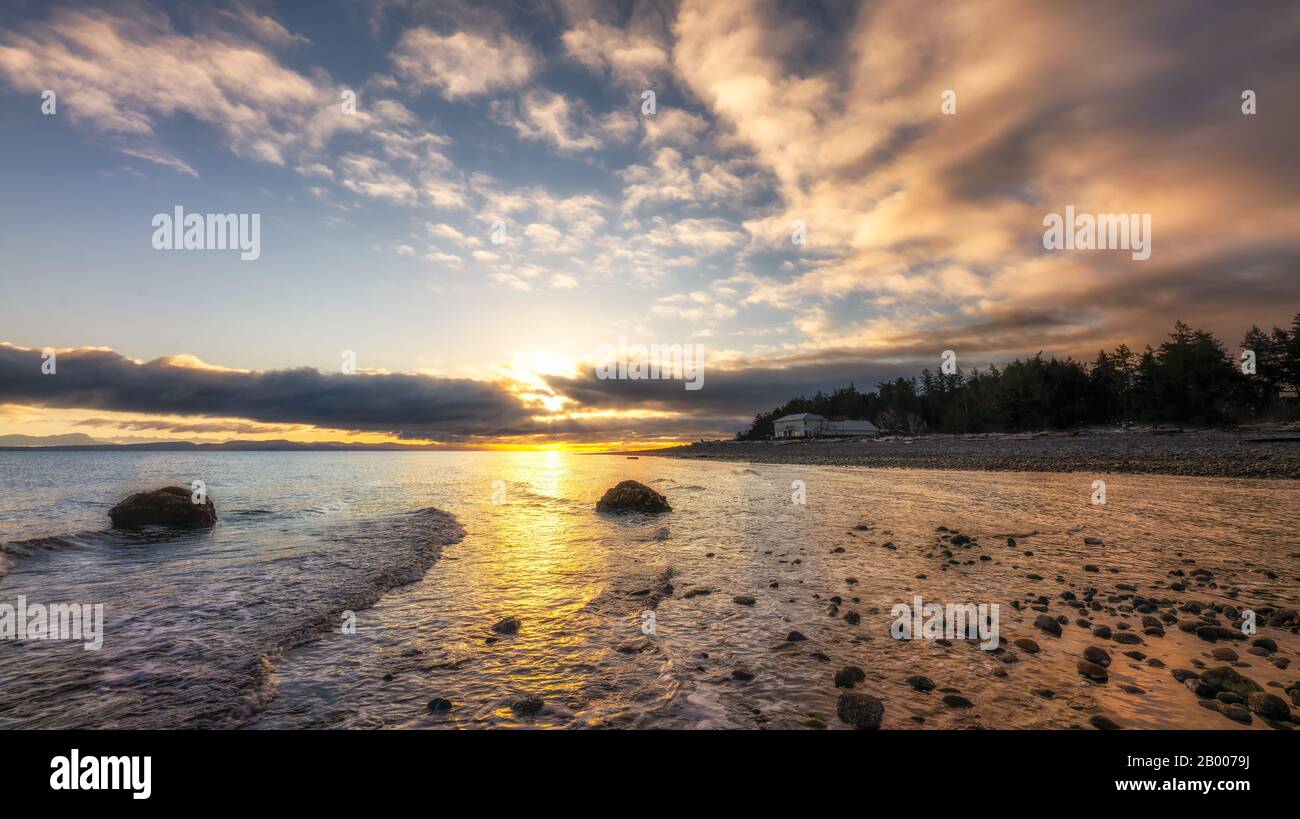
(1189, 379)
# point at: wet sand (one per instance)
(765, 611)
(750, 559)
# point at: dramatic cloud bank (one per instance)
(409, 406)
(503, 158)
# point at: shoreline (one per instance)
(1193, 453)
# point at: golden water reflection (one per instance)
(579, 582)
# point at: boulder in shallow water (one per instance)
(169, 506)
(527, 705)
(507, 625)
(632, 496)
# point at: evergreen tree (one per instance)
(1189, 378)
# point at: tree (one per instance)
(1189, 378)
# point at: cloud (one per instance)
(201, 427)
(734, 395)
(704, 180)
(264, 28)
(674, 126)
(633, 60)
(433, 254)
(450, 233)
(462, 65)
(564, 122)
(372, 177)
(936, 221)
(923, 230)
(123, 71)
(408, 406)
(705, 236)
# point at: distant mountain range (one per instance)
(70, 439)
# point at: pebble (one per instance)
(1048, 624)
(1098, 655)
(1270, 706)
(1225, 678)
(527, 705)
(863, 711)
(849, 676)
(1092, 671)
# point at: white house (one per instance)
(811, 425)
(802, 425)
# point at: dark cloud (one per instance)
(409, 406)
(734, 395)
(162, 425)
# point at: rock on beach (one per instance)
(633, 496)
(169, 506)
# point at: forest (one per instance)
(1190, 378)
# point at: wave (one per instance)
(198, 633)
(426, 530)
(12, 550)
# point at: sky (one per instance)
(823, 193)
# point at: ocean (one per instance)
(625, 621)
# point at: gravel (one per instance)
(1200, 453)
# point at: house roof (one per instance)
(850, 423)
(802, 416)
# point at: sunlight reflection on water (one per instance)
(579, 582)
